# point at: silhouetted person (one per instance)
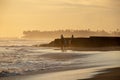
(72, 38)
(63, 42)
(71, 41)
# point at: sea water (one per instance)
(19, 57)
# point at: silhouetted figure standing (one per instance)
(62, 43)
(71, 41)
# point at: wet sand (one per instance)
(109, 74)
(93, 48)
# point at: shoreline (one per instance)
(108, 74)
(45, 71)
(94, 48)
(77, 48)
(98, 73)
(84, 48)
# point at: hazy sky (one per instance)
(19, 15)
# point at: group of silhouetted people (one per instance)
(65, 42)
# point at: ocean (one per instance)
(19, 57)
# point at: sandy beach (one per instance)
(109, 74)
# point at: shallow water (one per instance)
(64, 75)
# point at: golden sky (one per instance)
(19, 15)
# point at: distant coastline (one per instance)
(36, 34)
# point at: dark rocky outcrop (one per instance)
(93, 41)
